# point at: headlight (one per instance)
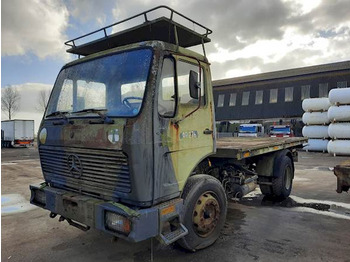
(118, 223)
(40, 197)
(43, 135)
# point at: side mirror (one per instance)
(194, 84)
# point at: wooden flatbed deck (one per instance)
(244, 147)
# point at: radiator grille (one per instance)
(102, 173)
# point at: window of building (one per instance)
(221, 99)
(323, 90)
(342, 84)
(233, 98)
(273, 95)
(305, 92)
(259, 97)
(288, 94)
(166, 94)
(245, 98)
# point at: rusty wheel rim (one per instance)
(206, 214)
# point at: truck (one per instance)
(342, 172)
(281, 131)
(251, 130)
(17, 133)
(128, 142)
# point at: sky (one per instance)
(249, 36)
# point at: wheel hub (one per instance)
(206, 214)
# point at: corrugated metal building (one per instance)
(276, 95)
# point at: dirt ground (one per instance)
(312, 225)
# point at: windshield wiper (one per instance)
(59, 113)
(63, 115)
(105, 118)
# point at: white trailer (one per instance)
(17, 133)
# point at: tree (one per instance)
(42, 100)
(10, 99)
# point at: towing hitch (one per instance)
(70, 222)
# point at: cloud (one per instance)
(29, 93)
(90, 10)
(249, 36)
(34, 26)
(258, 36)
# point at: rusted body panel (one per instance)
(342, 172)
(244, 147)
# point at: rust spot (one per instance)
(176, 127)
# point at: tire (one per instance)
(282, 181)
(204, 211)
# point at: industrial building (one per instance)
(276, 96)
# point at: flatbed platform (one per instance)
(244, 147)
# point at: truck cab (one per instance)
(251, 130)
(126, 126)
(281, 131)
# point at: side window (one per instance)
(233, 98)
(221, 100)
(288, 94)
(342, 84)
(245, 98)
(166, 93)
(305, 92)
(273, 96)
(323, 90)
(259, 97)
(183, 71)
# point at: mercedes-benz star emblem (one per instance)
(74, 166)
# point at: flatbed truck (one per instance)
(128, 143)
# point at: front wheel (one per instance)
(204, 212)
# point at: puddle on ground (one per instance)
(14, 203)
(328, 208)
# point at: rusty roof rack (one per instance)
(163, 29)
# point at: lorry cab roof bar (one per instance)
(162, 29)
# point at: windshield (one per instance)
(280, 130)
(247, 129)
(115, 84)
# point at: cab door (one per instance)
(183, 131)
(192, 129)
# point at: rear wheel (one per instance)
(204, 212)
(282, 181)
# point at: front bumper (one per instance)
(89, 211)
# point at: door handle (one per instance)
(207, 131)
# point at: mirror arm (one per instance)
(190, 113)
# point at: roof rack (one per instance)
(163, 29)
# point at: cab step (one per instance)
(171, 237)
